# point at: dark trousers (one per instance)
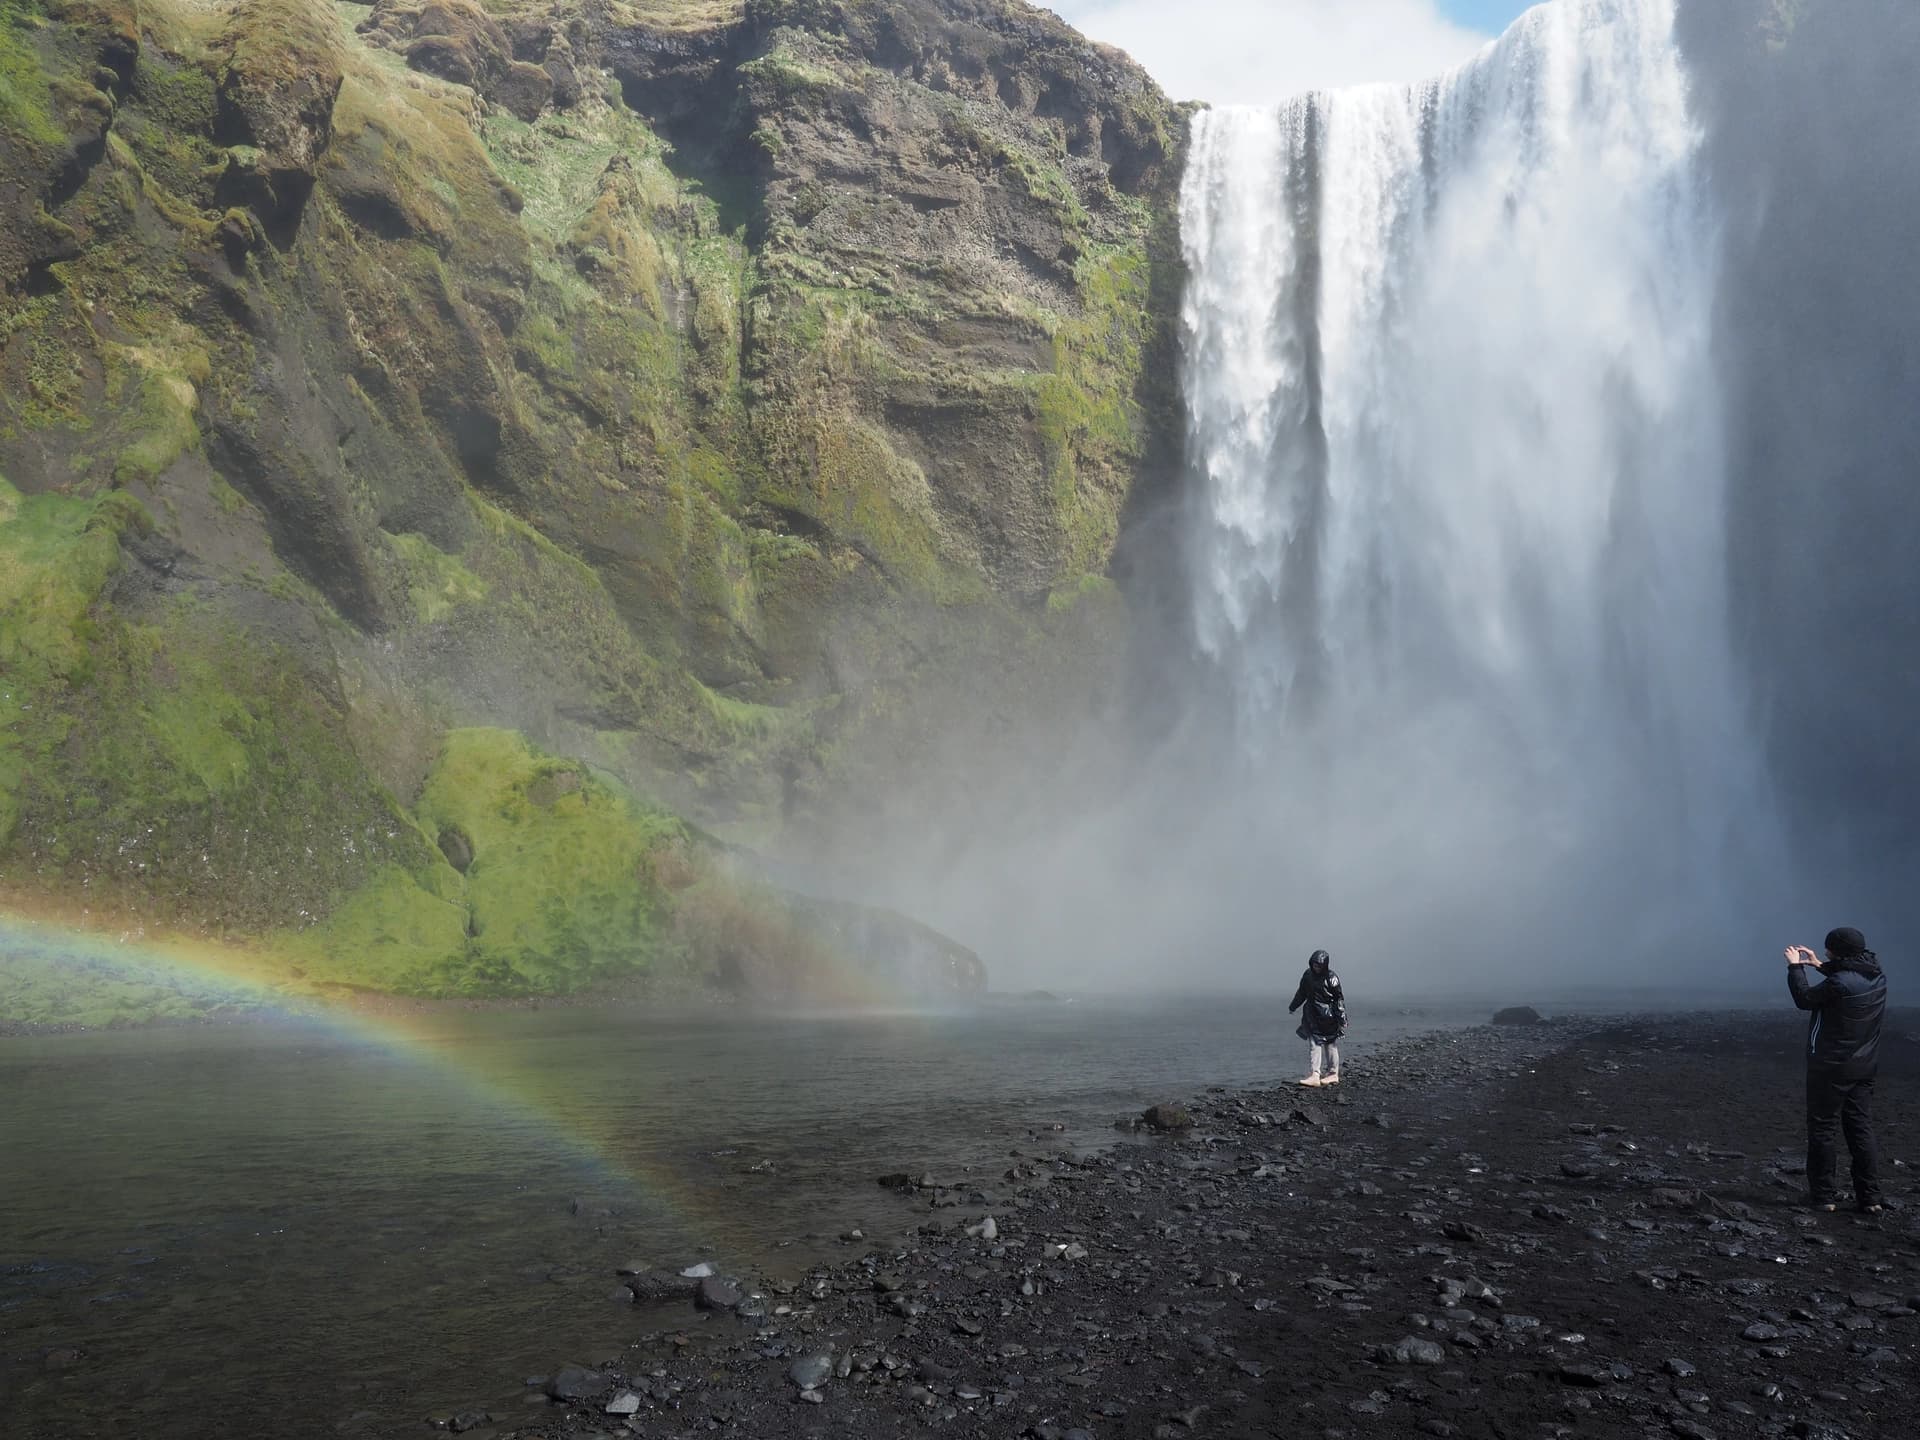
(1847, 1106)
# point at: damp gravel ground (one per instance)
(1587, 1228)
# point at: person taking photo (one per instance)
(1848, 1001)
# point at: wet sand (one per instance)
(1587, 1228)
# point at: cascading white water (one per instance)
(1459, 548)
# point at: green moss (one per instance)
(229, 500)
(395, 934)
(56, 553)
(878, 502)
(714, 473)
(166, 128)
(216, 780)
(1087, 409)
(26, 96)
(177, 97)
(163, 421)
(436, 581)
(1085, 590)
(56, 347)
(560, 885)
(791, 76)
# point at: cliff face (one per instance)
(729, 398)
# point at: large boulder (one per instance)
(1518, 1015)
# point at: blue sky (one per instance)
(1492, 16)
(1262, 51)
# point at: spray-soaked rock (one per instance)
(577, 1383)
(716, 1293)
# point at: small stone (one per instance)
(717, 1294)
(986, 1229)
(1680, 1369)
(1164, 1118)
(1517, 1015)
(1759, 1333)
(810, 1372)
(625, 1403)
(1412, 1350)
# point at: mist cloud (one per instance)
(1263, 51)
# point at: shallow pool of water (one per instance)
(297, 1229)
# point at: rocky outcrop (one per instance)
(739, 398)
(279, 76)
(60, 84)
(459, 41)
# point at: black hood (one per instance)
(1866, 963)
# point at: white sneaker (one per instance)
(1313, 1080)
(1331, 1080)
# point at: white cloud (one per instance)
(1262, 51)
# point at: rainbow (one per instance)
(209, 975)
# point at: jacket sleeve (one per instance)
(1807, 996)
(1299, 996)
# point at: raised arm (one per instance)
(1807, 995)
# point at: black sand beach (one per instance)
(1587, 1228)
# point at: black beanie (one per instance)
(1846, 942)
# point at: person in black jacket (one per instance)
(1325, 1021)
(1843, 1056)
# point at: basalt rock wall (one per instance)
(743, 401)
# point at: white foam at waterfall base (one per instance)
(1458, 537)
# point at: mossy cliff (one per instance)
(732, 399)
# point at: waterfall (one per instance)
(1459, 532)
